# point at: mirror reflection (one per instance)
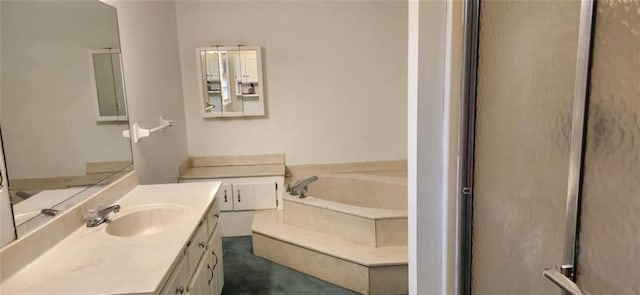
(231, 81)
(107, 78)
(62, 113)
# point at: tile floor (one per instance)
(246, 274)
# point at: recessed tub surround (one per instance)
(369, 209)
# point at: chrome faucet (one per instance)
(100, 216)
(49, 212)
(299, 188)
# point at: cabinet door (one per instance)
(196, 247)
(200, 279)
(225, 197)
(250, 69)
(177, 282)
(251, 196)
(214, 252)
(212, 217)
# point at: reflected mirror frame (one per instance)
(94, 85)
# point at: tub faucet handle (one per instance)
(299, 187)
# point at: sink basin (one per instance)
(147, 221)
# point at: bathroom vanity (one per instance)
(164, 240)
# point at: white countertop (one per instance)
(90, 261)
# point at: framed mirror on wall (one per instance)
(61, 113)
(231, 81)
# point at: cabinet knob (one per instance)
(217, 215)
(225, 196)
(202, 245)
(238, 195)
(180, 290)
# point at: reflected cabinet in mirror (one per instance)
(231, 81)
(63, 105)
(108, 82)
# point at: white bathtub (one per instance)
(369, 209)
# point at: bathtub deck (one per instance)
(270, 223)
(361, 268)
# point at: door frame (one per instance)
(465, 195)
(7, 219)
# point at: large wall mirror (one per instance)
(62, 105)
(231, 81)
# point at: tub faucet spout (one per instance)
(300, 187)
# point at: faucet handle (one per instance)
(92, 214)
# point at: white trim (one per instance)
(412, 146)
(448, 193)
(430, 101)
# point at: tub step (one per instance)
(364, 269)
(356, 224)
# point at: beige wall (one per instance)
(152, 74)
(335, 76)
(48, 119)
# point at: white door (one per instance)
(254, 196)
(7, 228)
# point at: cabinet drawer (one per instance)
(196, 247)
(177, 282)
(225, 196)
(212, 217)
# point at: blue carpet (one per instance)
(246, 274)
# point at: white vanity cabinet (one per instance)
(177, 282)
(199, 270)
(208, 277)
(240, 196)
(248, 193)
